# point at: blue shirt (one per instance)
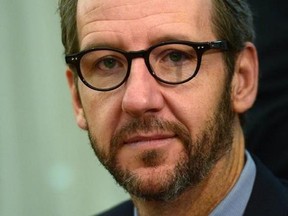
(236, 201)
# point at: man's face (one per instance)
(155, 139)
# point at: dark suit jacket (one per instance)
(267, 121)
(269, 197)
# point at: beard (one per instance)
(193, 164)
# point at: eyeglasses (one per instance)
(172, 62)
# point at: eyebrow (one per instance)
(99, 40)
(97, 45)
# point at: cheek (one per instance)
(193, 114)
(196, 104)
(102, 114)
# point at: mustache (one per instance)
(150, 124)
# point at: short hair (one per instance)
(232, 21)
(68, 16)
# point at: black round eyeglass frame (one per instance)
(74, 60)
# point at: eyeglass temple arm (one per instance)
(223, 45)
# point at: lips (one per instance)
(146, 132)
(148, 139)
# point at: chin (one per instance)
(162, 182)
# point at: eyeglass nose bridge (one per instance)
(139, 54)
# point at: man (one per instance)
(161, 86)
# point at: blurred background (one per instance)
(47, 167)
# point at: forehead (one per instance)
(147, 20)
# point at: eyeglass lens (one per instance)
(172, 63)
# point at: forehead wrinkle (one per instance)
(99, 25)
(100, 42)
(106, 6)
(92, 18)
(104, 11)
(103, 18)
(104, 25)
(114, 12)
(151, 18)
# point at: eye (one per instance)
(108, 63)
(176, 56)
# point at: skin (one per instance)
(136, 25)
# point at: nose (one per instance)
(143, 93)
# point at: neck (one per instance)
(201, 200)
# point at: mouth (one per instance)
(149, 140)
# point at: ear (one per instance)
(245, 79)
(76, 100)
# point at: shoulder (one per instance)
(269, 195)
(126, 208)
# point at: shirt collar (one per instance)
(236, 201)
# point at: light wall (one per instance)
(47, 167)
